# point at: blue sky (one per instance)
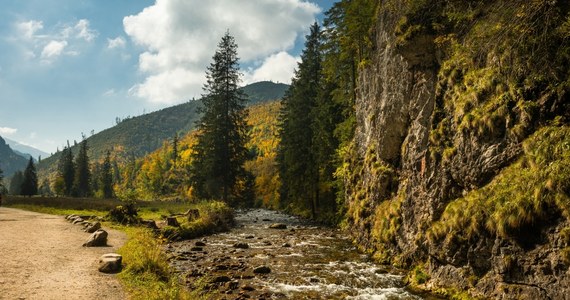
(72, 66)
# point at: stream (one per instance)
(301, 261)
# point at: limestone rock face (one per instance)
(399, 183)
(97, 239)
(110, 263)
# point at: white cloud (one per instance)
(7, 130)
(180, 36)
(169, 86)
(118, 42)
(84, 32)
(28, 29)
(53, 40)
(277, 67)
(53, 49)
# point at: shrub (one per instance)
(124, 214)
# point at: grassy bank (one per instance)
(146, 273)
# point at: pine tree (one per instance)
(82, 179)
(220, 153)
(16, 183)
(30, 183)
(298, 167)
(106, 180)
(66, 172)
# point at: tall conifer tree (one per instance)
(82, 179)
(298, 167)
(66, 172)
(30, 183)
(220, 153)
(106, 180)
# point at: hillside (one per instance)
(10, 161)
(138, 136)
(161, 175)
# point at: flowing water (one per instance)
(303, 261)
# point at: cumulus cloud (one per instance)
(53, 49)
(180, 37)
(7, 130)
(118, 42)
(277, 67)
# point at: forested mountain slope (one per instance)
(460, 164)
(134, 137)
(10, 161)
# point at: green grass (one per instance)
(526, 194)
(146, 273)
(62, 205)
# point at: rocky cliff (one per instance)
(460, 165)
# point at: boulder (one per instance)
(149, 224)
(93, 227)
(76, 220)
(97, 239)
(278, 226)
(172, 221)
(110, 263)
(241, 245)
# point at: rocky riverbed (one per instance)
(269, 255)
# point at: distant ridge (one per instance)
(137, 136)
(26, 150)
(10, 161)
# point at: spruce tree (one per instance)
(220, 153)
(82, 179)
(30, 183)
(296, 158)
(106, 180)
(66, 172)
(16, 183)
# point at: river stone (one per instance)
(110, 263)
(93, 227)
(97, 239)
(241, 245)
(77, 220)
(149, 224)
(262, 270)
(220, 279)
(172, 221)
(278, 226)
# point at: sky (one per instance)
(71, 67)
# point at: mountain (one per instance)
(26, 150)
(10, 161)
(137, 136)
(265, 90)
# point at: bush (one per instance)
(124, 214)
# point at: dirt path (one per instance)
(41, 257)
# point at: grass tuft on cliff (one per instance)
(531, 192)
